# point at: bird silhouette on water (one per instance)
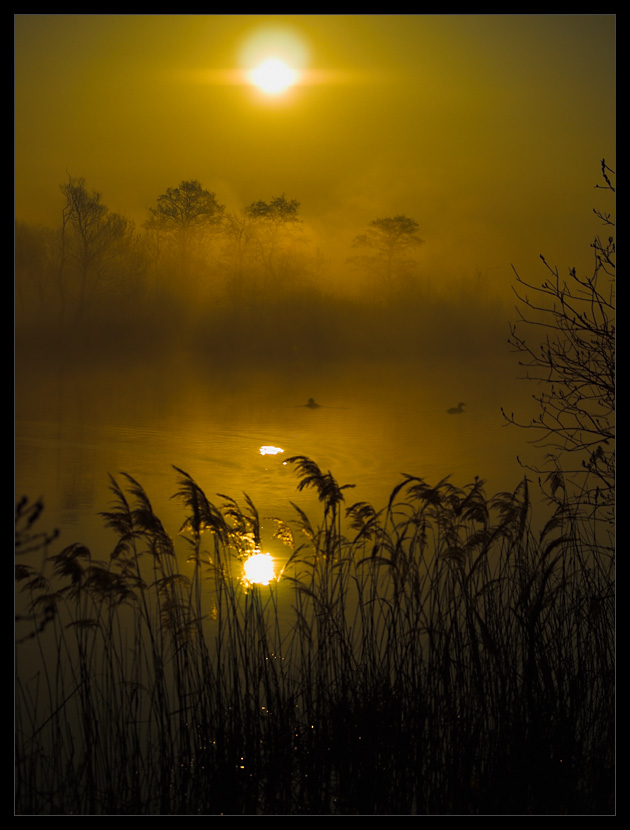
(311, 404)
(457, 410)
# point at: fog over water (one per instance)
(375, 422)
(196, 258)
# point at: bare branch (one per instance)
(565, 334)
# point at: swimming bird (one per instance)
(311, 404)
(457, 410)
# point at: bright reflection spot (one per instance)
(270, 450)
(258, 569)
(273, 76)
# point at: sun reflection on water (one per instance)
(258, 569)
(270, 450)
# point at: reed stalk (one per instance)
(437, 656)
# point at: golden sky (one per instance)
(487, 130)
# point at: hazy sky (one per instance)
(487, 130)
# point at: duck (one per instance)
(457, 410)
(311, 404)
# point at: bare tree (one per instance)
(565, 333)
(92, 239)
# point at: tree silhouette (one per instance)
(185, 214)
(92, 239)
(278, 211)
(573, 364)
(274, 224)
(388, 244)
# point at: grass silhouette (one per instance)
(433, 657)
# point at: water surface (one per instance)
(374, 423)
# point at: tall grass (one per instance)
(433, 657)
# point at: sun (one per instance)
(273, 76)
(274, 59)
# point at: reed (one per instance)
(434, 657)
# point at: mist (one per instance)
(242, 289)
(355, 320)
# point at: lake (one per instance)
(375, 421)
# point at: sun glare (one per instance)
(258, 569)
(274, 59)
(273, 76)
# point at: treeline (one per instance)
(197, 274)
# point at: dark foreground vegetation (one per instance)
(441, 654)
(436, 657)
